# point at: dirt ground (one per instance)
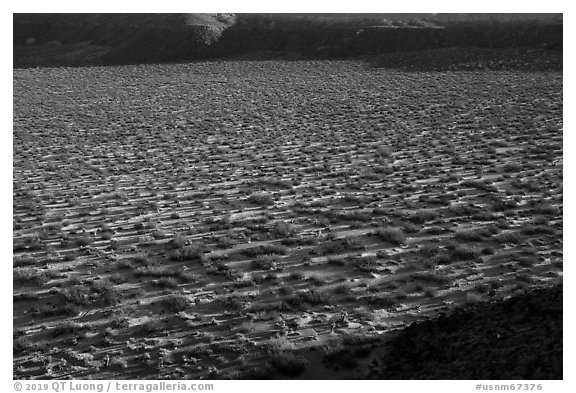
(206, 220)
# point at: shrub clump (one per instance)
(261, 199)
(176, 303)
(265, 262)
(287, 363)
(392, 235)
(285, 230)
(266, 249)
(93, 293)
(29, 275)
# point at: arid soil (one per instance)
(213, 220)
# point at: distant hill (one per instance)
(82, 39)
(78, 39)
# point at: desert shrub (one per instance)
(28, 243)
(382, 300)
(141, 259)
(316, 281)
(83, 240)
(307, 297)
(118, 278)
(543, 207)
(434, 230)
(123, 264)
(118, 364)
(541, 220)
(410, 228)
(472, 235)
(472, 298)
(459, 252)
(151, 271)
(341, 246)
(332, 345)
(192, 252)
(58, 310)
(288, 363)
(175, 303)
(100, 292)
(165, 282)
(178, 241)
(364, 313)
(68, 328)
(29, 275)
(22, 345)
(159, 234)
(430, 292)
(537, 230)
(24, 262)
(429, 250)
(258, 278)
(383, 152)
(422, 216)
(391, 234)
(379, 211)
(336, 260)
(354, 339)
(261, 199)
(151, 326)
(482, 185)
(526, 260)
(462, 209)
(285, 291)
(285, 230)
(525, 278)
(233, 302)
(342, 289)
(366, 264)
(509, 237)
(500, 205)
(483, 215)
(487, 251)
(263, 372)
(511, 167)
(296, 276)
(265, 262)
(139, 226)
(271, 249)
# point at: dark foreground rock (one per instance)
(520, 338)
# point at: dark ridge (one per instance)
(519, 338)
(107, 39)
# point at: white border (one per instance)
(364, 6)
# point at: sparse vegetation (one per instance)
(391, 235)
(175, 303)
(261, 199)
(177, 244)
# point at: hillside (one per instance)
(82, 39)
(106, 39)
(520, 338)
